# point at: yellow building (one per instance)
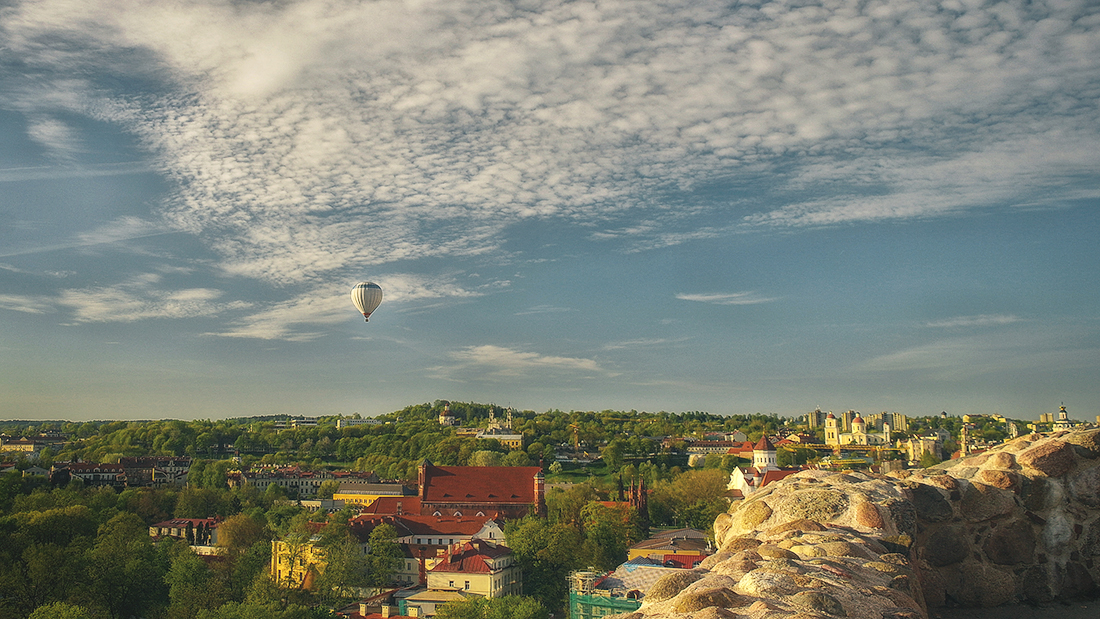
(297, 564)
(683, 548)
(477, 567)
(364, 494)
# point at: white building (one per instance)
(858, 435)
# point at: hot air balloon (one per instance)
(366, 296)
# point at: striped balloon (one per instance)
(366, 296)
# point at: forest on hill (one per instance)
(84, 553)
(76, 552)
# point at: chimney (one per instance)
(386, 610)
(540, 494)
(363, 608)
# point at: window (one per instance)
(467, 585)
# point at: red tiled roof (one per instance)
(740, 448)
(763, 444)
(441, 525)
(774, 475)
(411, 524)
(388, 505)
(470, 559)
(480, 484)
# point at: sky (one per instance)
(746, 207)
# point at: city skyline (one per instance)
(878, 206)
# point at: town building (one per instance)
(684, 548)
(1063, 422)
(363, 494)
(351, 423)
(742, 450)
(196, 531)
(297, 565)
(477, 567)
(424, 602)
(897, 422)
(28, 447)
(764, 470)
(502, 431)
(593, 595)
(504, 492)
(710, 447)
(371, 608)
(858, 434)
(446, 418)
(293, 480)
(158, 471)
(90, 473)
(392, 505)
(915, 448)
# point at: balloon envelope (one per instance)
(366, 296)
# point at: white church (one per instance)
(764, 470)
(858, 435)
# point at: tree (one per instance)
(566, 505)
(198, 503)
(608, 532)
(60, 610)
(327, 489)
(385, 554)
(516, 458)
(507, 607)
(613, 454)
(485, 458)
(546, 552)
(237, 534)
(692, 499)
(345, 567)
(192, 586)
(125, 578)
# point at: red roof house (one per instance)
(496, 491)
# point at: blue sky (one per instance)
(735, 208)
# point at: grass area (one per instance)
(571, 473)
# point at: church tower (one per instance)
(763, 455)
(832, 435)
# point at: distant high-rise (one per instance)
(815, 419)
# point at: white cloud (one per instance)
(71, 170)
(644, 343)
(316, 137)
(140, 299)
(25, 304)
(728, 298)
(544, 309)
(981, 320)
(500, 361)
(60, 141)
(121, 229)
(1046, 349)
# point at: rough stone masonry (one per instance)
(1019, 523)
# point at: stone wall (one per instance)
(1020, 523)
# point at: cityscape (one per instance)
(533, 309)
(437, 508)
